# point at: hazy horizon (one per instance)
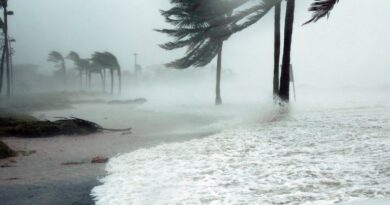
(348, 49)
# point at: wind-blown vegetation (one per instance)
(106, 60)
(59, 60)
(193, 21)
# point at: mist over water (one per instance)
(329, 146)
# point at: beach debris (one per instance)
(25, 153)
(112, 102)
(12, 179)
(72, 163)
(99, 160)
(7, 165)
(135, 101)
(33, 128)
(6, 151)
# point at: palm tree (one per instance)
(73, 56)
(197, 27)
(85, 66)
(107, 60)
(59, 60)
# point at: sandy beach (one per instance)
(40, 177)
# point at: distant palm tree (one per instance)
(193, 21)
(59, 60)
(107, 60)
(84, 66)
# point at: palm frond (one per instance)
(105, 60)
(73, 56)
(320, 9)
(201, 26)
(55, 57)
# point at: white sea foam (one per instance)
(322, 156)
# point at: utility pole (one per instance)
(12, 52)
(4, 4)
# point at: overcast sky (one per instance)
(351, 48)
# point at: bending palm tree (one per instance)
(85, 66)
(59, 60)
(107, 60)
(80, 65)
(194, 23)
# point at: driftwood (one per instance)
(37, 128)
(5, 151)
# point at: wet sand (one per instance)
(40, 178)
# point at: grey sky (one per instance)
(352, 47)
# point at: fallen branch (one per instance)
(38, 128)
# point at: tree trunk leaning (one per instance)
(120, 80)
(112, 81)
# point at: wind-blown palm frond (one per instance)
(55, 57)
(201, 26)
(105, 60)
(73, 56)
(320, 9)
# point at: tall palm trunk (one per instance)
(285, 77)
(218, 99)
(81, 79)
(120, 80)
(104, 80)
(89, 80)
(112, 80)
(86, 79)
(63, 66)
(277, 51)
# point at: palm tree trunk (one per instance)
(81, 79)
(277, 51)
(89, 79)
(86, 79)
(285, 77)
(64, 73)
(112, 81)
(120, 80)
(104, 80)
(218, 99)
